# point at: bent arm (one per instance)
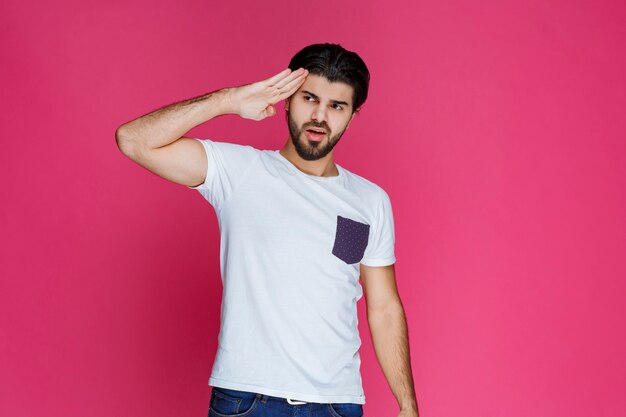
(156, 142)
(167, 124)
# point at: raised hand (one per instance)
(256, 101)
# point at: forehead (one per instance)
(326, 90)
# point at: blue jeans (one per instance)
(232, 403)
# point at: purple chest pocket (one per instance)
(350, 240)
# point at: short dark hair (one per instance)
(336, 64)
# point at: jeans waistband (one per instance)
(264, 397)
(291, 401)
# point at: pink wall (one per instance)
(497, 129)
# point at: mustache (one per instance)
(317, 125)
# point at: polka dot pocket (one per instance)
(351, 239)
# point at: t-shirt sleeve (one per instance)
(227, 166)
(380, 247)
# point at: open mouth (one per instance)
(315, 134)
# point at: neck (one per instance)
(324, 167)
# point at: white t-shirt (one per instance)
(290, 249)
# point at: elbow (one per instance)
(123, 142)
(392, 307)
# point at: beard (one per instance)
(307, 149)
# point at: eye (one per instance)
(337, 106)
(306, 97)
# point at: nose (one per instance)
(319, 114)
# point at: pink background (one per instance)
(497, 128)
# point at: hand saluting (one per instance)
(256, 101)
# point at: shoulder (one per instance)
(369, 190)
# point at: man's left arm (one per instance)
(387, 323)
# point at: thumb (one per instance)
(270, 111)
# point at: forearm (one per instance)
(391, 344)
(167, 124)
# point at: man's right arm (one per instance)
(156, 142)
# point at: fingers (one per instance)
(290, 88)
(284, 77)
(300, 72)
(274, 79)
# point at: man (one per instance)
(297, 232)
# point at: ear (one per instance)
(287, 100)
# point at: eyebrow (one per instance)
(333, 101)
